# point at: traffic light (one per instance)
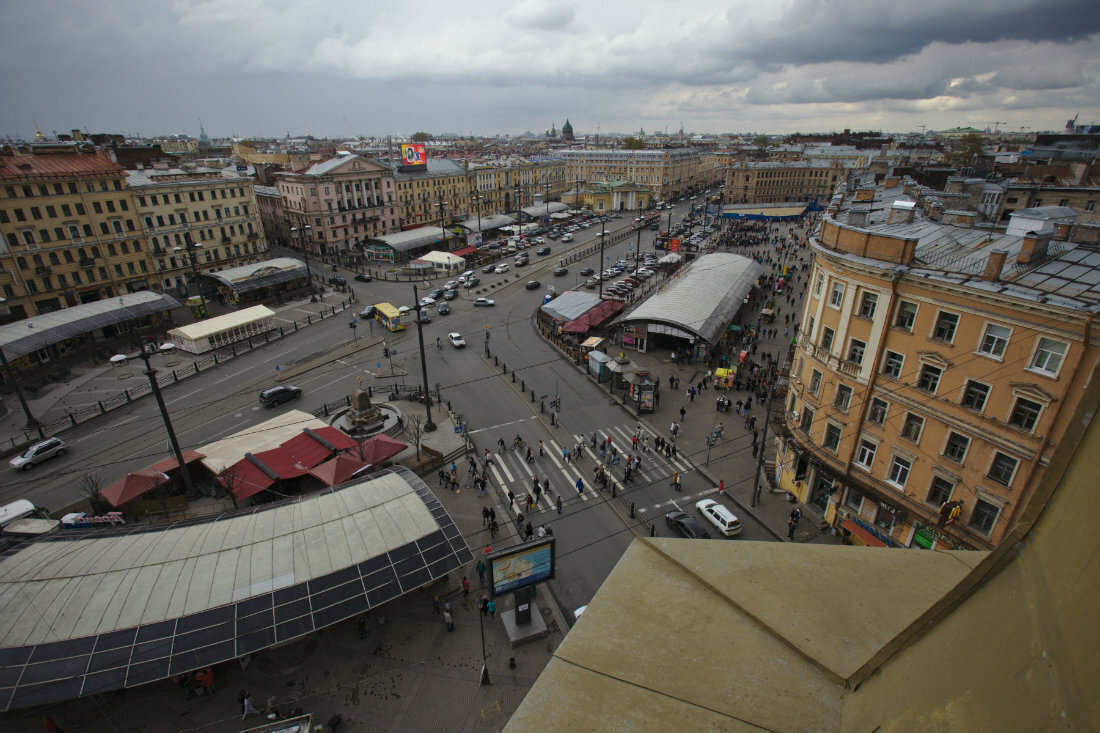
(949, 512)
(386, 352)
(557, 402)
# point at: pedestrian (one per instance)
(442, 477)
(271, 707)
(559, 502)
(718, 430)
(546, 487)
(492, 608)
(673, 452)
(484, 516)
(449, 620)
(791, 526)
(676, 480)
(634, 441)
(541, 532)
(492, 515)
(645, 443)
(682, 413)
(721, 486)
(481, 484)
(435, 604)
(362, 627)
(248, 706)
(493, 527)
(481, 567)
(483, 604)
(796, 515)
(511, 499)
(519, 522)
(465, 586)
(542, 449)
(530, 455)
(528, 531)
(488, 459)
(691, 395)
(564, 455)
(530, 500)
(580, 486)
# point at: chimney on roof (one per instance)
(1034, 247)
(78, 136)
(857, 217)
(891, 181)
(935, 211)
(901, 212)
(994, 265)
(1062, 230)
(865, 193)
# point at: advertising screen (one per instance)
(521, 566)
(414, 155)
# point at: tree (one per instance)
(633, 143)
(414, 426)
(230, 480)
(90, 484)
(420, 137)
(761, 141)
(968, 149)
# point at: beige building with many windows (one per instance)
(936, 366)
(71, 232)
(669, 172)
(810, 181)
(197, 221)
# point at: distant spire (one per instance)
(38, 133)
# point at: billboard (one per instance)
(521, 566)
(414, 155)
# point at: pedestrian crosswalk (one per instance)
(509, 469)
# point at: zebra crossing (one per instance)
(510, 471)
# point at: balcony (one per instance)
(43, 270)
(850, 368)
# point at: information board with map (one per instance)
(521, 566)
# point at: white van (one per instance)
(20, 509)
(466, 276)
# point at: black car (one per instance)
(559, 271)
(488, 268)
(436, 294)
(278, 395)
(533, 284)
(542, 251)
(687, 525)
(587, 271)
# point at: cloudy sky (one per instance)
(268, 67)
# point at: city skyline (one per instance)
(262, 69)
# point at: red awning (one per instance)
(305, 450)
(593, 317)
(338, 470)
(283, 463)
(170, 464)
(860, 536)
(379, 448)
(247, 479)
(338, 438)
(465, 251)
(133, 485)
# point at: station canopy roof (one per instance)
(538, 210)
(38, 332)
(411, 239)
(570, 305)
(703, 298)
(247, 278)
(87, 612)
(489, 221)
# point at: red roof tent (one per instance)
(170, 464)
(381, 447)
(593, 317)
(248, 478)
(464, 251)
(132, 485)
(338, 470)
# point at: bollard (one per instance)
(513, 377)
(370, 393)
(652, 530)
(631, 510)
(553, 420)
(614, 491)
(523, 386)
(449, 406)
(504, 367)
(496, 361)
(542, 407)
(532, 395)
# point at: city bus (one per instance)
(389, 316)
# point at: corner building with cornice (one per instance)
(937, 362)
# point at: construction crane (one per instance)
(998, 122)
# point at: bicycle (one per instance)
(518, 443)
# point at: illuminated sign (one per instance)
(414, 155)
(521, 566)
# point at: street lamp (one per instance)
(150, 348)
(442, 204)
(515, 199)
(546, 198)
(429, 426)
(191, 248)
(303, 235)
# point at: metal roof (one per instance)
(87, 612)
(411, 239)
(540, 209)
(38, 332)
(488, 221)
(571, 305)
(703, 298)
(256, 275)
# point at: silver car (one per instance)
(41, 451)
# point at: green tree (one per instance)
(761, 141)
(633, 143)
(968, 149)
(420, 137)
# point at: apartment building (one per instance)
(936, 367)
(197, 221)
(334, 205)
(810, 181)
(670, 173)
(436, 193)
(71, 233)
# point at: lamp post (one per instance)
(603, 236)
(546, 199)
(442, 225)
(477, 197)
(303, 235)
(191, 248)
(516, 204)
(429, 426)
(149, 348)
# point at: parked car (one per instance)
(484, 303)
(426, 301)
(444, 308)
(533, 285)
(273, 396)
(559, 271)
(721, 517)
(541, 251)
(487, 268)
(362, 278)
(450, 294)
(502, 268)
(456, 340)
(687, 525)
(585, 272)
(590, 283)
(41, 451)
(450, 285)
(435, 293)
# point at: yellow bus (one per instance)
(389, 316)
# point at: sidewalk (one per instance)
(90, 385)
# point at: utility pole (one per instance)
(429, 426)
(603, 236)
(763, 440)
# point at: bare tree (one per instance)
(414, 427)
(231, 479)
(90, 484)
(359, 451)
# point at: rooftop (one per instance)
(59, 162)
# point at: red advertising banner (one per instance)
(674, 245)
(414, 155)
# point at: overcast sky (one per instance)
(268, 67)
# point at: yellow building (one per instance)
(935, 363)
(669, 173)
(198, 221)
(808, 181)
(71, 232)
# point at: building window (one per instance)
(865, 456)
(1048, 357)
(868, 304)
(956, 447)
(855, 351)
(1025, 414)
(807, 419)
(939, 493)
(899, 471)
(1003, 468)
(853, 500)
(974, 395)
(832, 437)
(907, 316)
(836, 295)
(984, 516)
(892, 364)
(827, 336)
(877, 413)
(843, 397)
(994, 341)
(912, 428)
(929, 378)
(885, 519)
(815, 382)
(945, 327)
